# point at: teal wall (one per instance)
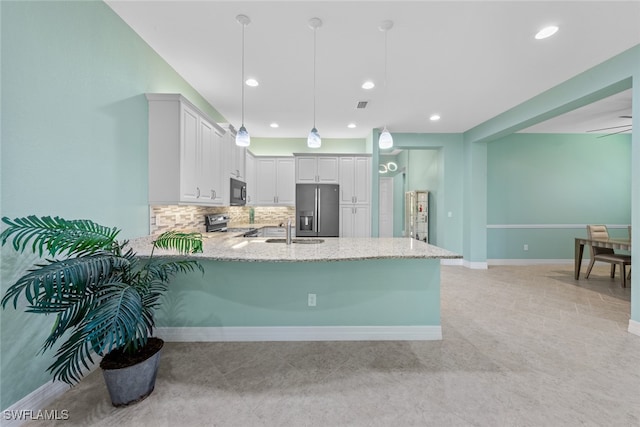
(349, 293)
(535, 180)
(436, 161)
(74, 141)
(74, 138)
(612, 76)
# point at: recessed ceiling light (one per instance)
(546, 32)
(368, 85)
(252, 82)
(274, 125)
(351, 125)
(434, 117)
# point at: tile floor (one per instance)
(523, 346)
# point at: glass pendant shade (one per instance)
(386, 140)
(242, 137)
(313, 140)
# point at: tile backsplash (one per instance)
(168, 217)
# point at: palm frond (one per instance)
(70, 315)
(114, 322)
(71, 357)
(57, 235)
(53, 282)
(185, 243)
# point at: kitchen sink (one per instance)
(303, 241)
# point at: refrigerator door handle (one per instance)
(318, 208)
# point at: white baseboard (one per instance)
(452, 261)
(634, 327)
(300, 333)
(29, 407)
(530, 261)
(475, 265)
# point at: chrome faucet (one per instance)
(289, 231)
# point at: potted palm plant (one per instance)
(103, 297)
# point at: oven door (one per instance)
(237, 193)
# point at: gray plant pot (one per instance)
(134, 383)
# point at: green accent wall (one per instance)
(614, 75)
(74, 141)
(433, 162)
(566, 179)
(349, 293)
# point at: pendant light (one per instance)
(313, 140)
(386, 140)
(242, 137)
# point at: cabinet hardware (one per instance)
(197, 192)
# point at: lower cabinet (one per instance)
(355, 221)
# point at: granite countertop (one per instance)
(231, 247)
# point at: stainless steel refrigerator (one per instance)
(317, 210)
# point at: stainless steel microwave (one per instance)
(238, 193)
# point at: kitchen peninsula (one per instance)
(339, 289)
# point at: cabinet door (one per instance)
(361, 221)
(346, 221)
(251, 179)
(236, 163)
(327, 170)
(190, 156)
(212, 165)
(355, 221)
(347, 167)
(362, 180)
(240, 162)
(306, 170)
(286, 182)
(266, 181)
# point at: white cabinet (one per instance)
(250, 172)
(186, 154)
(275, 181)
(355, 180)
(235, 155)
(212, 182)
(316, 169)
(355, 221)
(355, 196)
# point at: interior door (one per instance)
(386, 207)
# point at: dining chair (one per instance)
(607, 254)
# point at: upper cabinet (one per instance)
(355, 180)
(250, 172)
(186, 154)
(318, 169)
(235, 154)
(275, 181)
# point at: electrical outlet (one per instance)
(311, 300)
(526, 247)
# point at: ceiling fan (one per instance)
(618, 129)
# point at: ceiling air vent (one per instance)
(362, 104)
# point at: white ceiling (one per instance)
(467, 61)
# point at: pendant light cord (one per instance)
(314, 76)
(385, 80)
(242, 77)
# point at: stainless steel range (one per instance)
(216, 222)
